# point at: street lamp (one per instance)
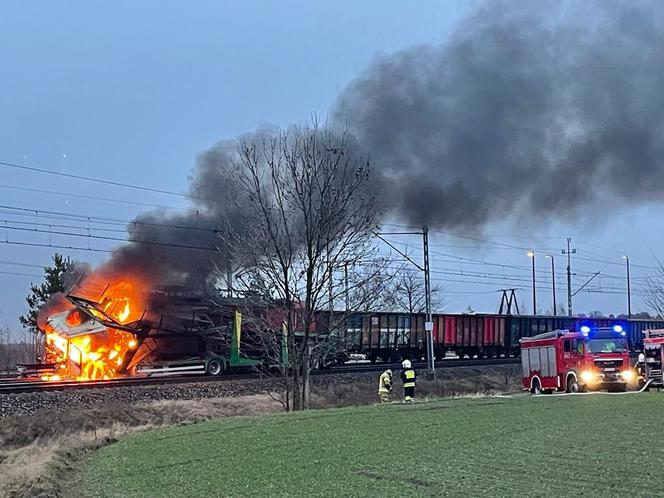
(553, 281)
(629, 290)
(531, 255)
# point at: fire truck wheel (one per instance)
(214, 367)
(536, 387)
(572, 385)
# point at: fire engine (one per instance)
(653, 351)
(590, 359)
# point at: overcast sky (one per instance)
(132, 91)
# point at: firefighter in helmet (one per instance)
(385, 386)
(409, 378)
(641, 369)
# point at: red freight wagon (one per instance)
(572, 361)
(450, 330)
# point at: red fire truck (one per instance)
(577, 361)
(653, 356)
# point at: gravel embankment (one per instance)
(467, 379)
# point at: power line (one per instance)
(55, 225)
(115, 239)
(54, 246)
(59, 215)
(17, 274)
(90, 197)
(16, 263)
(95, 180)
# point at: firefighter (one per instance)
(641, 368)
(409, 378)
(385, 386)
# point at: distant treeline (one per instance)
(13, 353)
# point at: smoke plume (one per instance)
(528, 110)
(532, 110)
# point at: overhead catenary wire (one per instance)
(115, 239)
(91, 221)
(5, 209)
(185, 246)
(95, 180)
(18, 263)
(19, 274)
(54, 246)
(90, 197)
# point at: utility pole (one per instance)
(569, 253)
(629, 290)
(531, 255)
(431, 365)
(553, 282)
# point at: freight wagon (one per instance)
(394, 336)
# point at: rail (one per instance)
(11, 386)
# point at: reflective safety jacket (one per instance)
(409, 377)
(385, 383)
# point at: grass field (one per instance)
(597, 445)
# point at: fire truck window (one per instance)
(579, 347)
(567, 346)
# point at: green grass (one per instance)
(600, 445)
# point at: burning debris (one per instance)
(93, 332)
(84, 349)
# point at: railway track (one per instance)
(8, 386)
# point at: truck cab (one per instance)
(571, 361)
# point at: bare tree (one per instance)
(654, 297)
(307, 196)
(407, 294)
(5, 348)
(13, 348)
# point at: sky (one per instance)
(132, 91)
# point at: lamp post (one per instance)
(629, 290)
(531, 255)
(553, 281)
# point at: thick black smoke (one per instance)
(529, 110)
(538, 110)
(187, 247)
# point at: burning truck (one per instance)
(110, 326)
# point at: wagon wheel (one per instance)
(215, 367)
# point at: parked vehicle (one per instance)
(590, 359)
(653, 352)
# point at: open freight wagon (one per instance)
(395, 336)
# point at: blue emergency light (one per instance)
(618, 329)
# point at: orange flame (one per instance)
(101, 353)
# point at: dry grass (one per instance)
(38, 449)
(366, 393)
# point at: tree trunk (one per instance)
(306, 375)
(297, 391)
(287, 388)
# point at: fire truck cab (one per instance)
(590, 359)
(653, 351)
